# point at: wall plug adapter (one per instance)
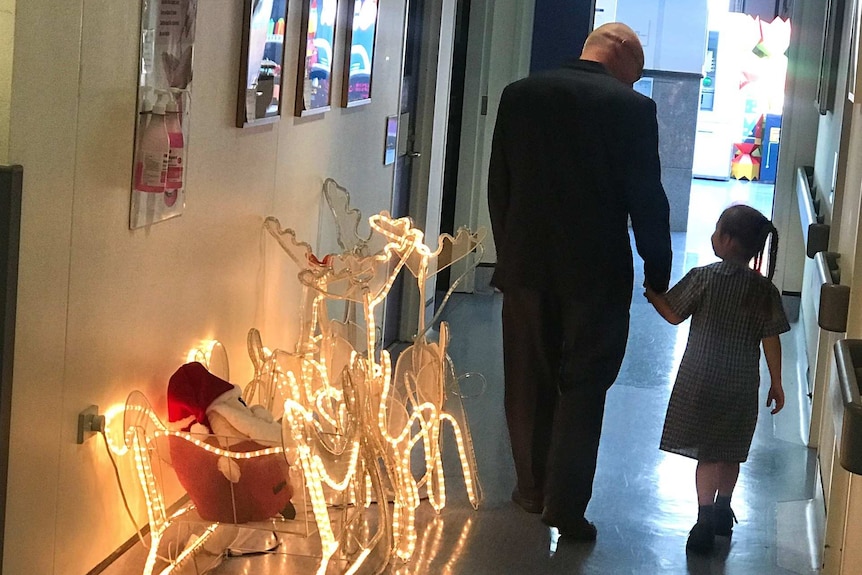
(90, 421)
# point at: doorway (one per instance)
(453, 136)
(740, 110)
(418, 182)
(406, 155)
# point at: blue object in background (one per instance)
(769, 148)
(560, 28)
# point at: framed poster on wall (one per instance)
(316, 48)
(359, 53)
(830, 49)
(259, 98)
(163, 111)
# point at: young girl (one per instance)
(713, 407)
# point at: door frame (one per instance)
(436, 45)
(498, 53)
(11, 189)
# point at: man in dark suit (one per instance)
(574, 158)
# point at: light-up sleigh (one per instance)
(246, 496)
(360, 442)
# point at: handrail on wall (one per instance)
(815, 233)
(848, 421)
(834, 298)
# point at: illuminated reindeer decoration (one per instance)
(337, 386)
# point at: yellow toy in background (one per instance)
(746, 161)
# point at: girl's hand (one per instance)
(776, 395)
(649, 293)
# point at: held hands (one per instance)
(776, 396)
(649, 293)
(661, 305)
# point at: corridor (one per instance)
(644, 501)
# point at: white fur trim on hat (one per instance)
(246, 422)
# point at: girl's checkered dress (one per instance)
(713, 407)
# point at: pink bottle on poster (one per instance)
(151, 158)
(176, 151)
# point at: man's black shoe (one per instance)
(528, 504)
(577, 530)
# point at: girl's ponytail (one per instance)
(773, 250)
(766, 230)
(751, 230)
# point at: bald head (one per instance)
(618, 48)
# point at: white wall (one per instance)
(643, 17)
(498, 53)
(838, 147)
(104, 310)
(837, 170)
(673, 32)
(605, 12)
(799, 137)
(844, 510)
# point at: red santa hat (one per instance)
(191, 390)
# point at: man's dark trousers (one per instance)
(560, 357)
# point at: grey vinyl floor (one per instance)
(644, 500)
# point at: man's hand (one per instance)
(649, 293)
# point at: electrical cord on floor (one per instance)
(242, 552)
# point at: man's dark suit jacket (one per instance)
(574, 155)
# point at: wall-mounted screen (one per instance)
(259, 99)
(314, 71)
(358, 61)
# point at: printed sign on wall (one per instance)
(161, 134)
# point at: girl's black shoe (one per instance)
(724, 518)
(701, 538)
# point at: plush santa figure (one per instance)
(200, 402)
(223, 488)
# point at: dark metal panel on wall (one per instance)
(11, 183)
(560, 28)
(766, 9)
